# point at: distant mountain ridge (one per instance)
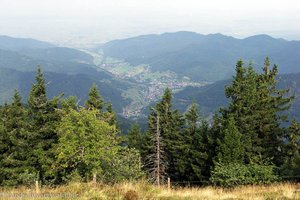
(204, 57)
(16, 44)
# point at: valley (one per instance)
(148, 86)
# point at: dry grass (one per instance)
(143, 190)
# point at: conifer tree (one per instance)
(13, 163)
(244, 100)
(273, 102)
(42, 118)
(147, 148)
(230, 148)
(134, 137)
(69, 103)
(112, 117)
(5, 143)
(291, 166)
(171, 124)
(207, 151)
(256, 106)
(95, 100)
(194, 155)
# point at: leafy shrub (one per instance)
(26, 177)
(125, 166)
(235, 174)
(262, 174)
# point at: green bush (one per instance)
(125, 166)
(235, 174)
(262, 174)
(26, 178)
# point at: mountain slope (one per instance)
(76, 85)
(67, 70)
(22, 62)
(16, 44)
(58, 54)
(204, 57)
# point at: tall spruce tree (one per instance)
(13, 163)
(273, 102)
(171, 124)
(256, 106)
(42, 118)
(244, 99)
(194, 155)
(5, 143)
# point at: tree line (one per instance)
(55, 140)
(251, 141)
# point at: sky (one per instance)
(78, 22)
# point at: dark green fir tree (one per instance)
(134, 137)
(14, 167)
(42, 119)
(95, 100)
(230, 148)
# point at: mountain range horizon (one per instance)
(90, 44)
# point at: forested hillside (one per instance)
(204, 57)
(58, 83)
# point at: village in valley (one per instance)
(148, 85)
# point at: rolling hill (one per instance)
(204, 57)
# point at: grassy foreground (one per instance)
(143, 190)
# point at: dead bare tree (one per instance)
(157, 158)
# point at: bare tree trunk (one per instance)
(158, 150)
(156, 158)
(95, 178)
(37, 187)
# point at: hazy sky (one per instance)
(80, 21)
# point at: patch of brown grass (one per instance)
(145, 191)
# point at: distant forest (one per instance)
(250, 141)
